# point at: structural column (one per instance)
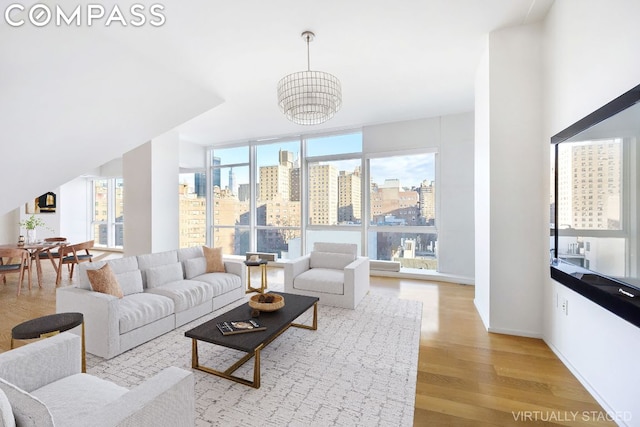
(151, 216)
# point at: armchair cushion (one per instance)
(28, 410)
(6, 413)
(341, 248)
(163, 274)
(336, 261)
(77, 397)
(323, 280)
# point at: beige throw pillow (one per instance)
(214, 259)
(104, 280)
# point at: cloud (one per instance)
(410, 170)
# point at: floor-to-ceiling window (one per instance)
(282, 197)
(402, 210)
(277, 210)
(231, 199)
(334, 189)
(107, 226)
(192, 192)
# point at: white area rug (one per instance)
(358, 368)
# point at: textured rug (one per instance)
(358, 368)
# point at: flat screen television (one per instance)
(595, 208)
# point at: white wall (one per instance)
(151, 196)
(456, 229)
(591, 51)
(192, 156)
(74, 206)
(508, 281)
(452, 137)
(482, 190)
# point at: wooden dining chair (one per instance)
(73, 255)
(52, 253)
(8, 267)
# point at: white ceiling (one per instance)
(397, 60)
(74, 98)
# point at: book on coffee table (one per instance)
(240, 326)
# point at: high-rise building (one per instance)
(233, 184)
(216, 172)
(200, 183)
(274, 182)
(427, 202)
(349, 196)
(294, 184)
(595, 201)
(323, 194)
(193, 218)
(392, 204)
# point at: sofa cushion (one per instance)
(148, 261)
(130, 282)
(185, 293)
(214, 259)
(28, 410)
(137, 310)
(118, 265)
(221, 283)
(333, 260)
(321, 280)
(77, 397)
(158, 276)
(103, 280)
(6, 413)
(188, 253)
(194, 267)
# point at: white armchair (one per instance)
(41, 385)
(332, 272)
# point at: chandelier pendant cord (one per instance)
(308, 52)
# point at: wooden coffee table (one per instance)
(251, 343)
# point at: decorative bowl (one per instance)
(277, 304)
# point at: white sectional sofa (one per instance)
(161, 292)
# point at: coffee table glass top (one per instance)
(275, 321)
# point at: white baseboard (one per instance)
(605, 406)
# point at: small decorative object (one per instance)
(255, 313)
(30, 225)
(21, 240)
(266, 302)
(254, 258)
(240, 327)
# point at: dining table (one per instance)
(35, 249)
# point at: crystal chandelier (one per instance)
(309, 97)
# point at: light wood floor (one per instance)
(466, 376)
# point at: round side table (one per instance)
(262, 263)
(47, 326)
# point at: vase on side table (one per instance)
(31, 236)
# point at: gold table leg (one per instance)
(255, 383)
(263, 279)
(195, 364)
